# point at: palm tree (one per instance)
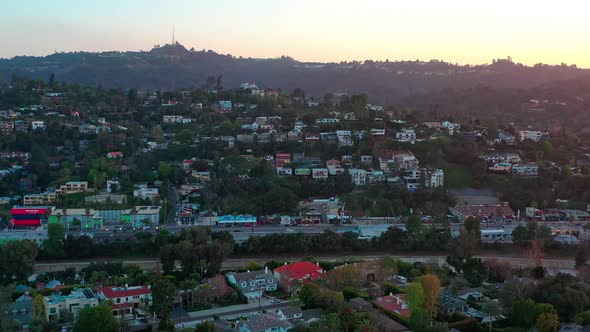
(492, 309)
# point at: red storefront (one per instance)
(29, 216)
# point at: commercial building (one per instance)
(141, 216)
(29, 216)
(48, 197)
(83, 218)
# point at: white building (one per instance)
(433, 178)
(406, 135)
(38, 125)
(533, 135)
(359, 176)
(344, 137)
(319, 173)
(113, 186)
(529, 169)
(327, 120)
(146, 192)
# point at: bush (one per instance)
(351, 292)
(583, 318)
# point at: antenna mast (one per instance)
(173, 41)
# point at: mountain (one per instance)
(173, 66)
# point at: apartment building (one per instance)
(72, 187)
(56, 305)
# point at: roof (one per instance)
(114, 292)
(485, 210)
(359, 301)
(386, 324)
(251, 276)
(264, 322)
(300, 270)
(394, 303)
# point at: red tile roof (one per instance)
(300, 270)
(394, 303)
(114, 292)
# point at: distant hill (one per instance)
(173, 66)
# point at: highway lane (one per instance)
(553, 265)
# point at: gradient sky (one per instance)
(459, 31)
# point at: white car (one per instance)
(290, 230)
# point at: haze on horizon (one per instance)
(457, 31)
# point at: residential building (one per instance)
(113, 186)
(48, 197)
(528, 169)
(394, 303)
(319, 173)
(344, 137)
(412, 179)
(204, 176)
(312, 136)
(397, 159)
(359, 176)
(433, 178)
(406, 135)
(284, 171)
(6, 127)
(533, 135)
(282, 159)
(225, 105)
(126, 299)
(265, 322)
(291, 313)
(501, 167)
(298, 126)
(327, 121)
(20, 311)
(300, 271)
(377, 132)
(253, 283)
(359, 304)
(72, 187)
(38, 125)
(115, 155)
(367, 160)
(146, 193)
(56, 305)
(21, 126)
(302, 172)
(450, 303)
(451, 128)
(376, 177)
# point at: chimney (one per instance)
(126, 286)
(266, 269)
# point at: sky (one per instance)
(457, 31)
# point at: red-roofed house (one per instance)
(126, 298)
(300, 271)
(282, 159)
(394, 303)
(115, 154)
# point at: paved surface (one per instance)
(552, 264)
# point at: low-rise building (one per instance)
(126, 299)
(394, 303)
(72, 187)
(141, 216)
(266, 322)
(406, 135)
(533, 135)
(44, 198)
(56, 305)
(319, 173)
(358, 176)
(433, 178)
(253, 283)
(146, 192)
(528, 169)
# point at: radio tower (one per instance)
(173, 41)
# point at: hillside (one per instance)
(173, 66)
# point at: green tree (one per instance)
(547, 322)
(163, 293)
(17, 260)
(185, 136)
(492, 309)
(205, 326)
(96, 319)
(253, 266)
(309, 293)
(415, 296)
(524, 313)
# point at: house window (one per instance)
(118, 300)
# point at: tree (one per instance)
(309, 293)
(39, 307)
(163, 293)
(205, 326)
(524, 313)
(492, 309)
(520, 235)
(17, 260)
(415, 296)
(414, 227)
(418, 320)
(431, 285)
(547, 322)
(582, 254)
(253, 266)
(96, 319)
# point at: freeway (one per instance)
(553, 265)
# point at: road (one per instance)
(553, 265)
